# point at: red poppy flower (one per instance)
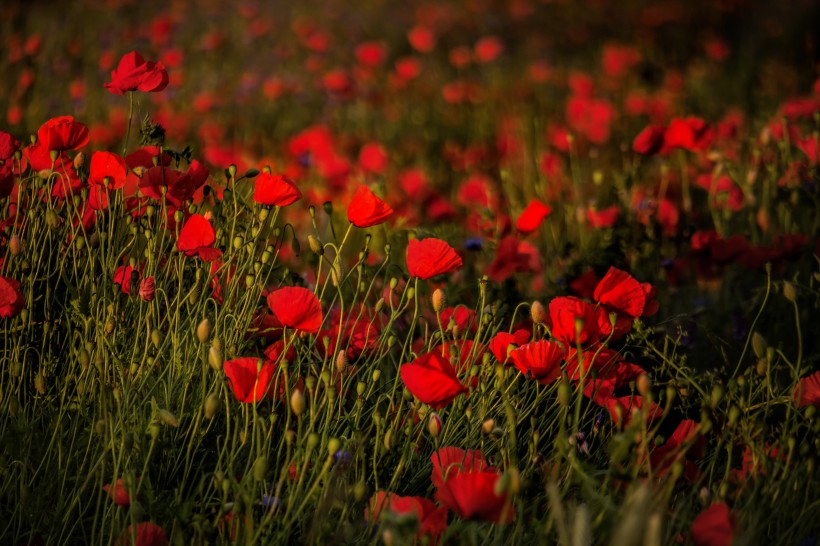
(122, 277)
(144, 158)
(176, 186)
(621, 409)
(807, 391)
(134, 73)
(431, 257)
(146, 291)
(500, 343)
(604, 218)
(275, 190)
(11, 298)
(8, 145)
(145, 534)
(664, 456)
(373, 158)
(250, 381)
(61, 134)
(432, 379)
(422, 39)
(447, 461)
(690, 133)
(715, 526)
(532, 217)
(118, 493)
(196, 238)
(371, 54)
(432, 520)
(565, 311)
(621, 292)
(297, 308)
(540, 360)
(366, 209)
(650, 140)
(107, 169)
(471, 495)
(463, 317)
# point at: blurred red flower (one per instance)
(297, 308)
(61, 134)
(196, 238)
(11, 298)
(432, 379)
(107, 169)
(650, 140)
(366, 209)
(8, 145)
(431, 257)
(122, 277)
(118, 493)
(532, 217)
(807, 391)
(539, 360)
(715, 526)
(432, 520)
(134, 73)
(275, 190)
(373, 158)
(145, 534)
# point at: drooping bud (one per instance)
(167, 418)
(789, 292)
(488, 425)
(644, 384)
(759, 345)
(316, 245)
(212, 405)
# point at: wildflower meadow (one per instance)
(425, 272)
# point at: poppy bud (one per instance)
(789, 292)
(232, 170)
(40, 382)
(312, 441)
(316, 245)
(328, 207)
(212, 405)
(15, 246)
(376, 375)
(360, 490)
(644, 384)
(146, 290)
(538, 313)
(734, 415)
(333, 445)
(297, 402)
(438, 300)
(759, 345)
(488, 425)
(156, 337)
(203, 330)
(52, 220)
(167, 418)
(260, 468)
(434, 424)
(717, 396)
(563, 394)
(238, 241)
(341, 360)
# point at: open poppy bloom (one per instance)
(431, 257)
(196, 238)
(61, 134)
(500, 343)
(432, 379)
(432, 520)
(11, 298)
(250, 378)
(107, 169)
(449, 460)
(134, 73)
(540, 360)
(619, 291)
(573, 321)
(471, 495)
(366, 209)
(297, 308)
(275, 190)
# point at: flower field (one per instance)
(478, 272)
